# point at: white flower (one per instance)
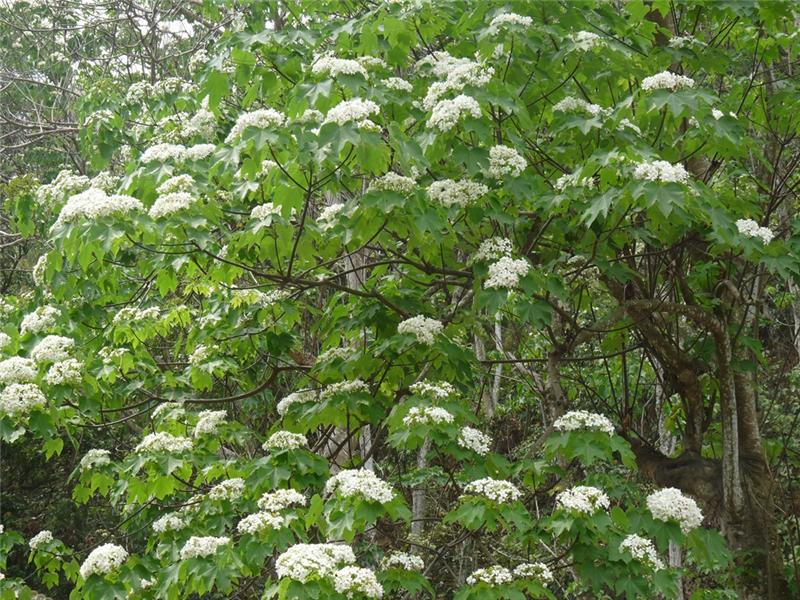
(441, 63)
(173, 202)
(571, 104)
(398, 83)
(422, 328)
(95, 457)
(169, 522)
(200, 354)
(642, 550)
(168, 410)
(666, 81)
(19, 399)
(475, 440)
(200, 547)
(504, 161)
(510, 18)
(66, 182)
(506, 273)
(750, 228)
(627, 124)
(103, 560)
(285, 440)
(95, 204)
(717, 114)
(669, 504)
(578, 420)
(403, 560)
(538, 571)
(352, 110)
(199, 151)
(146, 584)
(334, 354)
(164, 153)
(586, 40)
(5, 340)
(258, 522)
(661, 170)
(264, 211)
(494, 575)
(327, 217)
(42, 319)
(230, 489)
(52, 348)
(360, 483)
(427, 415)
(17, 370)
(164, 442)
(354, 386)
(330, 65)
(439, 390)
(40, 539)
(492, 249)
(356, 580)
(496, 490)
(203, 123)
(310, 115)
(295, 398)
(394, 183)
(447, 113)
(279, 499)
(177, 183)
(461, 75)
(571, 180)
(583, 499)
(264, 118)
(65, 372)
(679, 41)
(304, 561)
(456, 193)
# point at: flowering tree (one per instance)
(420, 299)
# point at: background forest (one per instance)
(399, 299)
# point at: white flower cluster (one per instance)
(441, 63)
(130, 313)
(265, 211)
(164, 442)
(496, 490)
(537, 570)
(578, 420)
(176, 183)
(360, 483)
(285, 440)
(506, 273)
(492, 249)
(661, 170)
(750, 228)
(5, 340)
(95, 457)
(171, 203)
(447, 113)
(666, 81)
(439, 390)
(66, 182)
(352, 581)
(295, 398)
(230, 489)
(626, 123)
(332, 66)
(41, 319)
(586, 40)
(65, 372)
(449, 192)
(279, 499)
(202, 546)
(681, 41)
(199, 151)
(169, 522)
(201, 354)
(103, 560)
(504, 160)
(203, 123)
(17, 370)
(460, 76)
(303, 561)
(475, 440)
(393, 182)
(19, 399)
(336, 353)
(52, 348)
(642, 550)
(422, 328)
(427, 415)
(510, 18)
(357, 110)
(494, 575)
(163, 153)
(344, 387)
(669, 504)
(168, 410)
(328, 215)
(263, 118)
(258, 298)
(258, 522)
(583, 499)
(95, 204)
(572, 104)
(398, 84)
(40, 539)
(403, 560)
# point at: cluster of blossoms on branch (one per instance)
(581, 420)
(670, 504)
(360, 483)
(749, 228)
(496, 490)
(642, 550)
(423, 328)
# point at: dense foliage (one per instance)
(416, 298)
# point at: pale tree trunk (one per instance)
(418, 498)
